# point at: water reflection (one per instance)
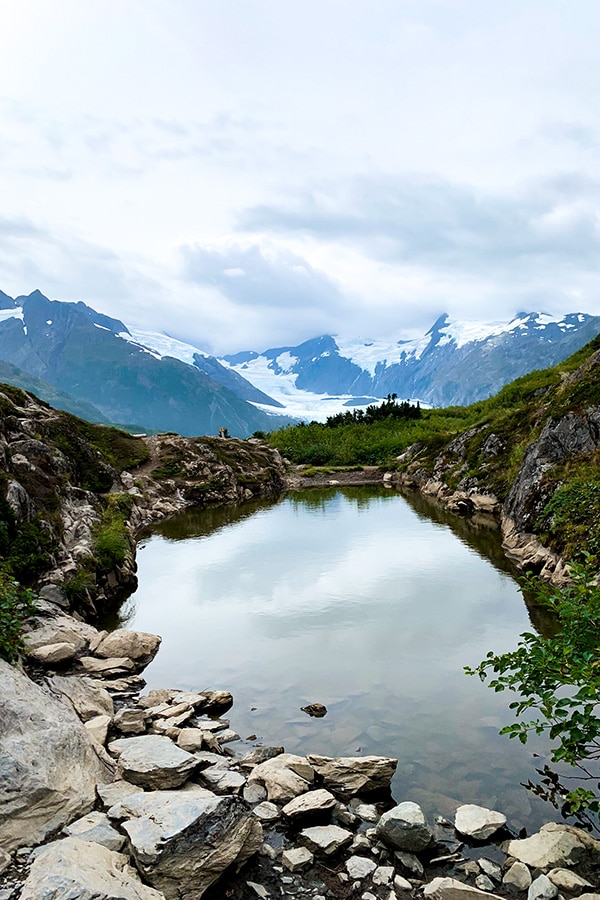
(359, 599)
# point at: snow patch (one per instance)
(161, 345)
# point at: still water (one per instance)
(359, 599)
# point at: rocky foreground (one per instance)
(106, 793)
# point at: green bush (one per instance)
(16, 604)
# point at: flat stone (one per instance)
(555, 846)
(155, 698)
(191, 739)
(518, 875)
(542, 889)
(452, 889)
(477, 822)
(312, 803)
(359, 867)
(383, 875)
(98, 728)
(491, 869)
(53, 654)
(260, 755)
(130, 721)
(284, 776)
(115, 792)
(74, 868)
(107, 667)
(87, 698)
(183, 840)
(96, 827)
(297, 858)
(267, 812)
(326, 839)
(206, 759)
(153, 762)
(222, 781)
(568, 881)
(129, 685)
(405, 828)
(259, 889)
(352, 775)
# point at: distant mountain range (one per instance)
(103, 370)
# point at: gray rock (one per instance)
(410, 862)
(359, 867)
(484, 883)
(568, 881)
(491, 869)
(310, 804)
(405, 828)
(297, 858)
(153, 761)
(326, 839)
(259, 889)
(53, 654)
(555, 846)
(106, 667)
(96, 827)
(191, 739)
(73, 868)
(135, 645)
(183, 840)
(222, 781)
(352, 775)
(260, 755)
(284, 776)
(87, 698)
(97, 728)
(254, 793)
(542, 889)
(452, 889)
(130, 721)
(383, 875)
(49, 765)
(402, 884)
(57, 630)
(477, 822)
(267, 812)
(115, 792)
(518, 875)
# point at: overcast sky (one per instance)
(251, 173)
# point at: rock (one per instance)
(98, 728)
(49, 765)
(316, 710)
(359, 867)
(72, 868)
(568, 881)
(267, 812)
(405, 828)
(5, 861)
(53, 654)
(366, 811)
(115, 792)
(130, 721)
(135, 645)
(259, 889)
(216, 702)
(354, 774)
(130, 685)
(361, 844)
(284, 776)
(326, 839)
(108, 667)
(153, 761)
(260, 755)
(254, 793)
(518, 875)
(383, 875)
(227, 736)
(183, 840)
(555, 846)
(154, 698)
(451, 889)
(484, 883)
(57, 630)
(410, 862)
(491, 869)
(297, 858)
(191, 739)
(87, 698)
(222, 781)
(477, 822)
(96, 827)
(310, 804)
(402, 884)
(542, 889)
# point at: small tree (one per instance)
(558, 679)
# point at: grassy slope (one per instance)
(516, 415)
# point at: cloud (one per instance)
(447, 226)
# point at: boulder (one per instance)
(222, 781)
(477, 822)
(85, 870)
(284, 776)
(107, 667)
(88, 699)
(153, 761)
(183, 840)
(452, 889)
(115, 792)
(53, 654)
(49, 765)
(405, 828)
(57, 630)
(326, 839)
(568, 881)
(138, 646)
(309, 805)
(555, 846)
(352, 775)
(267, 812)
(542, 889)
(97, 828)
(130, 721)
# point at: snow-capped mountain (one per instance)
(129, 376)
(454, 363)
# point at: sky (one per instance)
(244, 174)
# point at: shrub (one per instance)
(16, 604)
